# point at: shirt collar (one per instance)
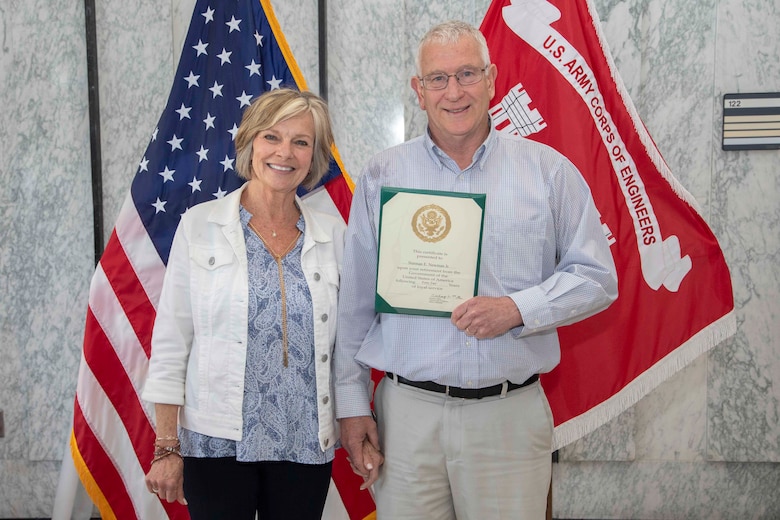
(478, 160)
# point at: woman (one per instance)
(240, 366)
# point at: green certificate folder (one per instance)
(429, 249)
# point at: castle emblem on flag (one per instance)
(514, 114)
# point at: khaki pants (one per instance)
(470, 459)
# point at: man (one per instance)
(464, 429)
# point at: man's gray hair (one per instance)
(452, 32)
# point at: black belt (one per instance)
(465, 393)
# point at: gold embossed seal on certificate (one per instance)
(429, 250)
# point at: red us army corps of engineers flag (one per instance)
(557, 84)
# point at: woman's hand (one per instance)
(372, 459)
(166, 479)
(166, 476)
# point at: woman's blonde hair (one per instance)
(275, 106)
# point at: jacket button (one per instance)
(211, 261)
(324, 317)
(324, 358)
(316, 277)
(325, 400)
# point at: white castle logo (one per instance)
(514, 116)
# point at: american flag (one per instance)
(234, 51)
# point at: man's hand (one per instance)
(360, 438)
(486, 317)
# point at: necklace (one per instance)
(271, 250)
(278, 258)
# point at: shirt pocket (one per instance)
(516, 250)
(330, 275)
(212, 274)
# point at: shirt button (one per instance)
(324, 358)
(468, 343)
(325, 400)
(324, 317)
(469, 383)
(211, 261)
(316, 277)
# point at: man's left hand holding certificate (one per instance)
(429, 250)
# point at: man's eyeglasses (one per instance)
(465, 77)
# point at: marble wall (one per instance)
(46, 253)
(705, 444)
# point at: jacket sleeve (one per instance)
(173, 328)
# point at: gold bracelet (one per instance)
(158, 455)
(167, 450)
(177, 444)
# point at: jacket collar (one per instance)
(314, 228)
(226, 213)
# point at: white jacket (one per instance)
(200, 333)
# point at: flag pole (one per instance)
(94, 127)
(322, 22)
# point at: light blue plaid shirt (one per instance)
(542, 245)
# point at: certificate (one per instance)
(429, 250)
